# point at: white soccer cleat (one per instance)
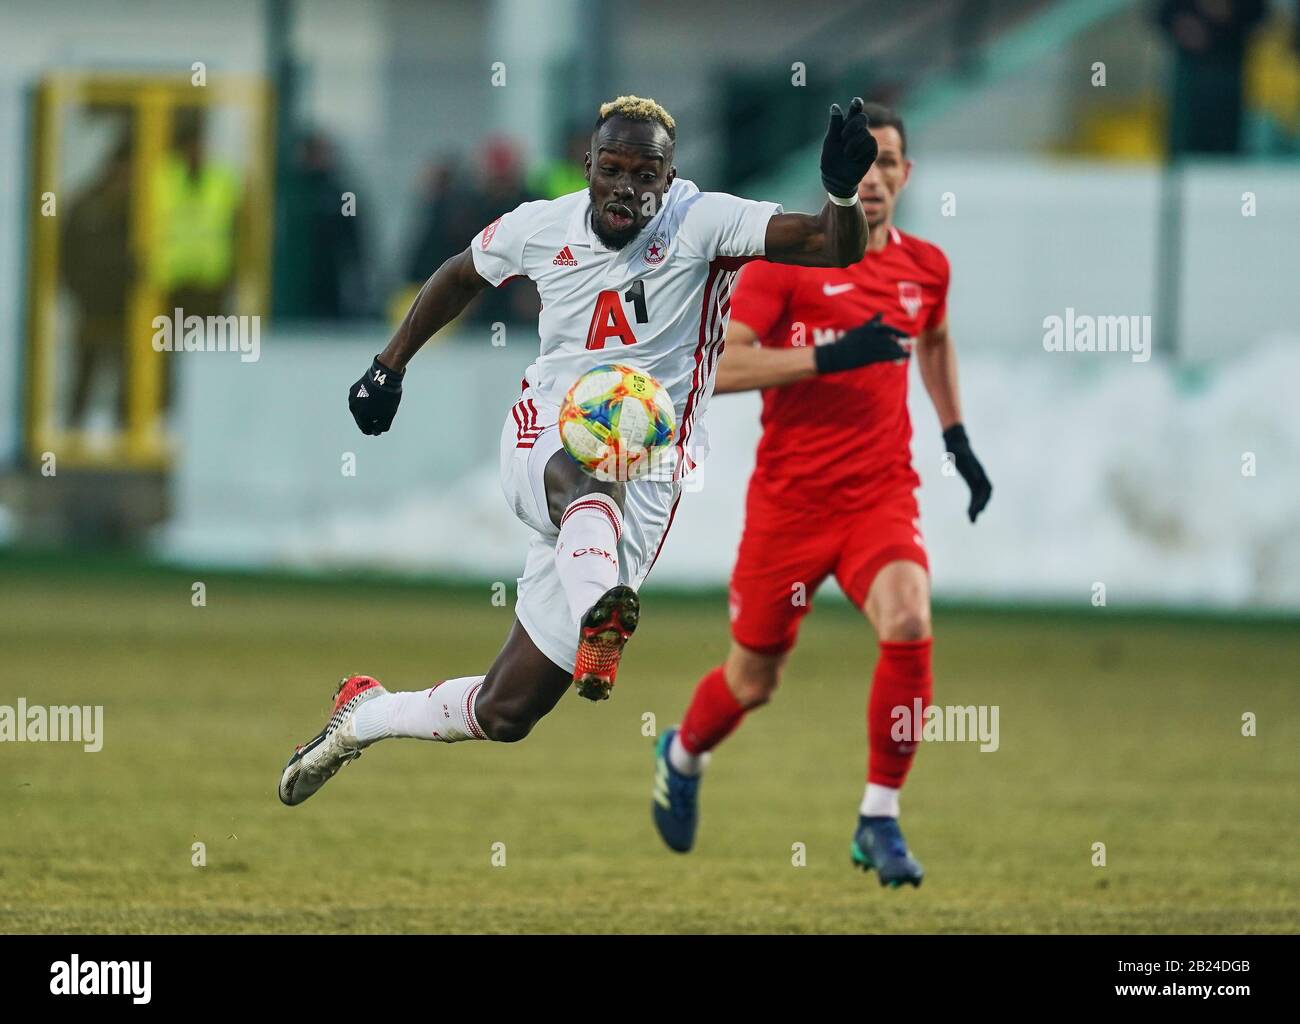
(314, 763)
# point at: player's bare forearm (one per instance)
(443, 298)
(936, 358)
(836, 237)
(748, 367)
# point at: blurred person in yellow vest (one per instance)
(196, 212)
(554, 178)
(1273, 84)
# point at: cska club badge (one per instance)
(656, 249)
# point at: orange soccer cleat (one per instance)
(605, 630)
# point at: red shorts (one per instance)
(784, 558)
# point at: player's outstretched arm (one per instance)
(443, 298)
(747, 367)
(937, 360)
(374, 398)
(836, 237)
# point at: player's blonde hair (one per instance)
(638, 108)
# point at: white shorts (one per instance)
(529, 438)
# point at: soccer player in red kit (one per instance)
(833, 493)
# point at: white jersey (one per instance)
(660, 304)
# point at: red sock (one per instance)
(902, 675)
(713, 714)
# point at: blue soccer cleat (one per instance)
(676, 799)
(879, 844)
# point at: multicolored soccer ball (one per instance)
(613, 421)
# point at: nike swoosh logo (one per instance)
(836, 289)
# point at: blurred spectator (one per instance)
(554, 178)
(1209, 38)
(436, 240)
(501, 189)
(98, 269)
(323, 275)
(498, 189)
(455, 208)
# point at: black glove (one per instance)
(872, 342)
(373, 399)
(956, 442)
(849, 150)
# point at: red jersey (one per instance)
(845, 434)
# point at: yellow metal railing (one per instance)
(142, 443)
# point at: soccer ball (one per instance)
(613, 421)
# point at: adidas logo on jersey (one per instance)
(362, 392)
(564, 258)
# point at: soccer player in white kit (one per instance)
(638, 269)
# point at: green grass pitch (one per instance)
(1122, 730)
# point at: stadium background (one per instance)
(365, 143)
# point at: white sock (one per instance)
(879, 802)
(444, 713)
(683, 760)
(586, 554)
